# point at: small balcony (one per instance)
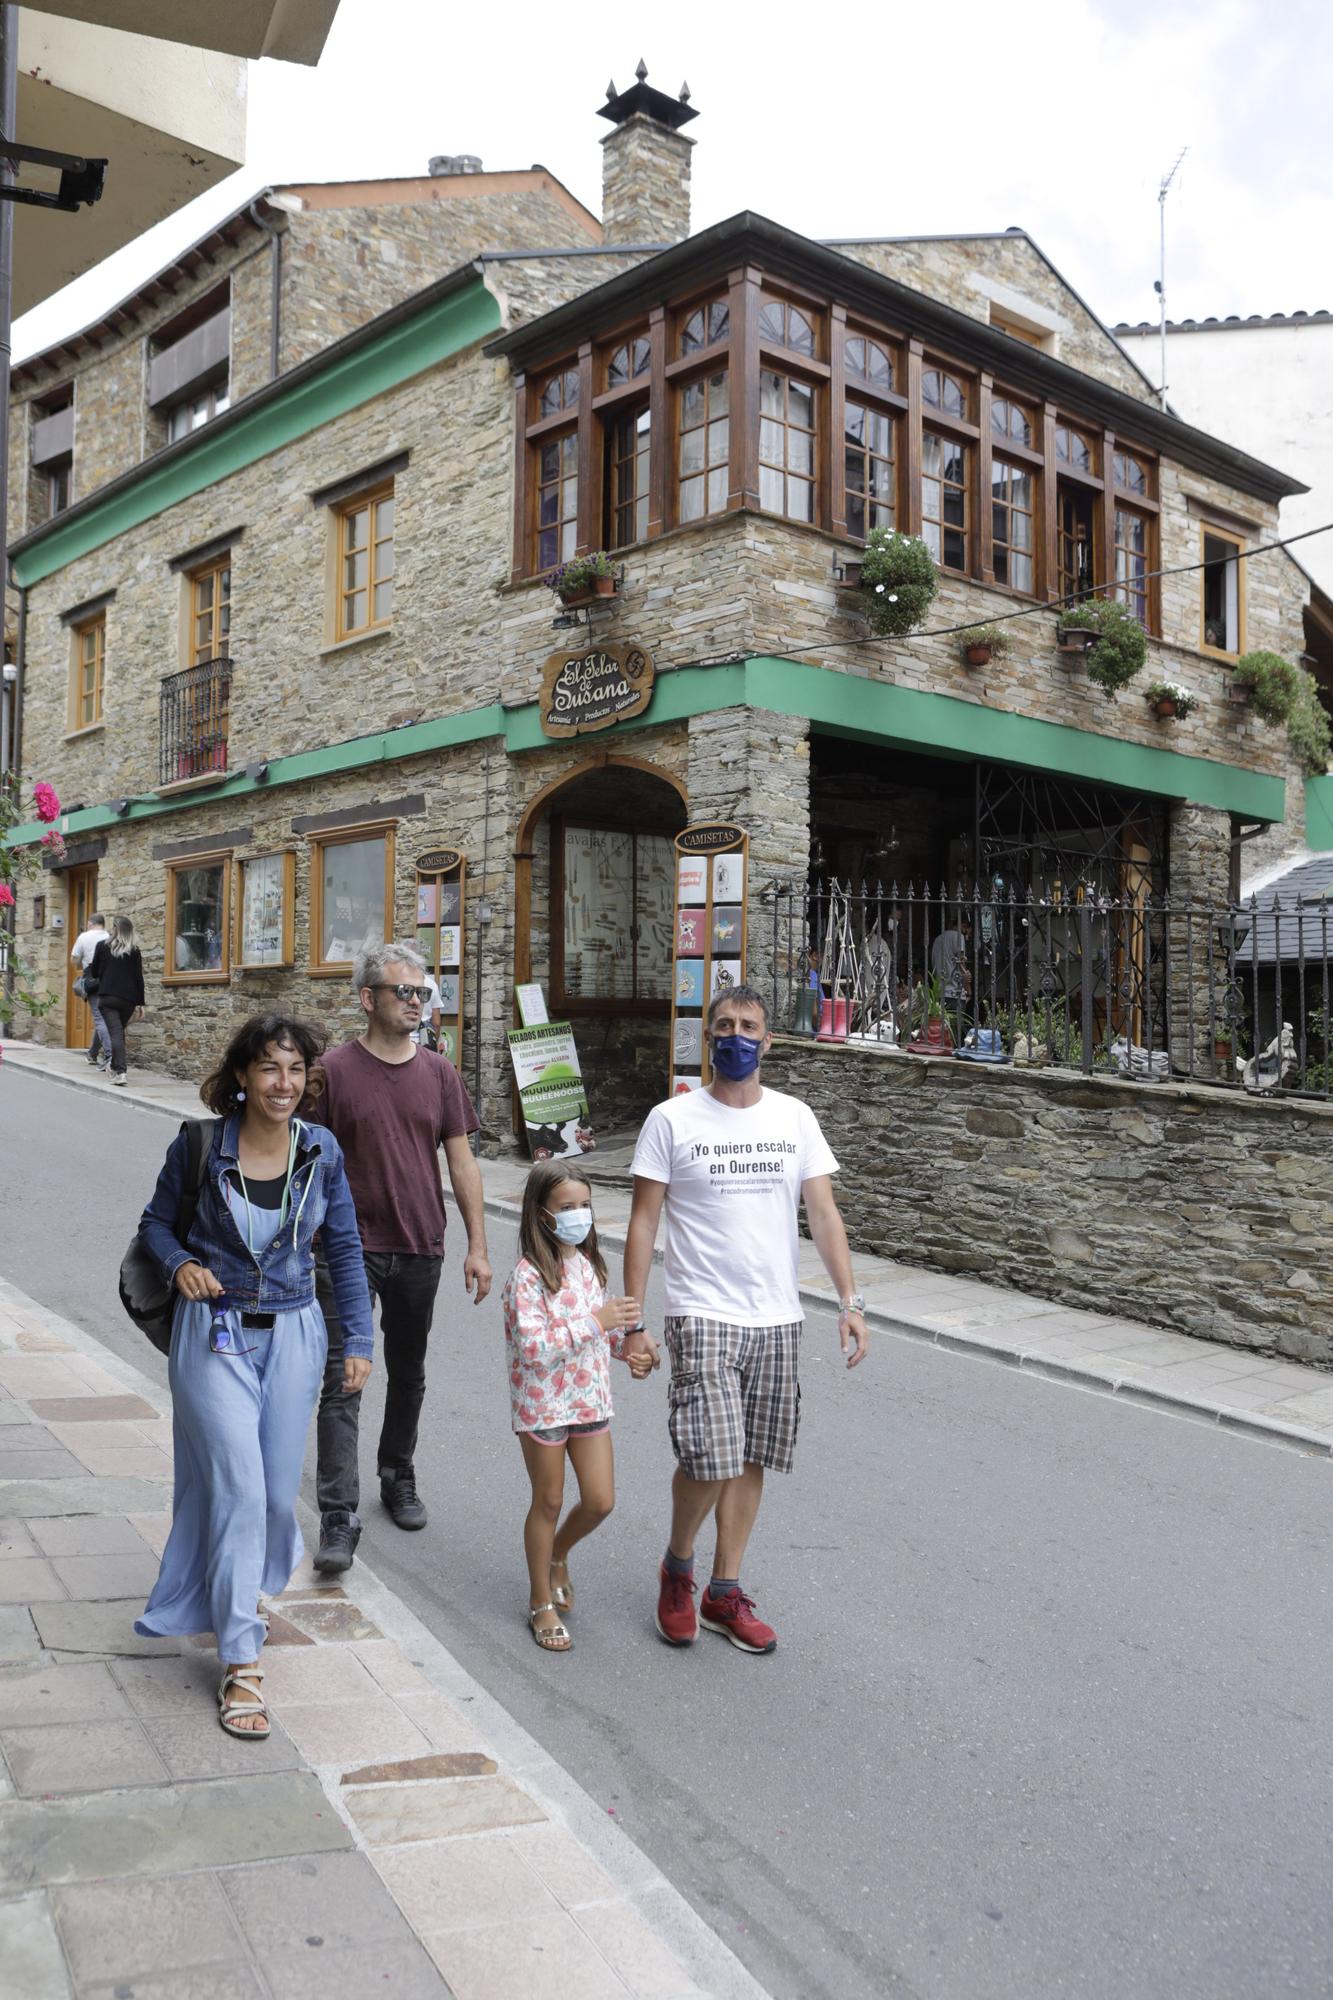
(196, 708)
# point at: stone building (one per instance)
(286, 634)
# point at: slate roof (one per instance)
(1295, 917)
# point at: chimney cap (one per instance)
(673, 112)
(444, 164)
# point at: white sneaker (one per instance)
(118, 1076)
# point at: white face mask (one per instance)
(571, 1225)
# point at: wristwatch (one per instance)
(853, 1303)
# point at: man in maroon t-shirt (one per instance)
(391, 1105)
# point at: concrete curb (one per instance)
(706, 1958)
(1266, 1430)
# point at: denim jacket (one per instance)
(283, 1276)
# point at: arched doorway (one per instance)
(594, 895)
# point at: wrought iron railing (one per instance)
(195, 711)
(1142, 987)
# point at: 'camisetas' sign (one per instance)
(593, 689)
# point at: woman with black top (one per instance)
(116, 977)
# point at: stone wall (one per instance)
(1191, 1208)
(645, 183)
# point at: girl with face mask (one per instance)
(561, 1330)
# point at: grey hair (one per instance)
(121, 942)
(370, 965)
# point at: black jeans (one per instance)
(405, 1288)
(115, 1013)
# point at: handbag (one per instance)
(149, 1301)
(80, 987)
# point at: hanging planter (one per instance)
(1170, 698)
(1075, 638)
(583, 578)
(984, 643)
(898, 582)
(1119, 645)
(1268, 684)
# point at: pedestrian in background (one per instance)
(85, 944)
(392, 1105)
(115, 980)
(560, 1331)
(248, 1344)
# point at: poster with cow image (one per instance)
(550, 1091)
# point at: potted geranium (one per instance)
(1119, 645)
(584, 577)
(984, 643)
(898, 582)
(1169, 698)
(1269, 684)
(17, 866)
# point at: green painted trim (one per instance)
(877, 712)
(1319, 813)
(882, 712)
(420, 342)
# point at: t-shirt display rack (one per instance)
(712, 866)
(441, 908)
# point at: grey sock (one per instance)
(678, 1565)
(720, 1585)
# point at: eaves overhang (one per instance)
(784, 253)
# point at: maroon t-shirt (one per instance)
(391, 1120)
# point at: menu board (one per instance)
(709, 932)
(441, 881)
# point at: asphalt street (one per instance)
(1048, 1712)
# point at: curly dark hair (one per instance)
(262, 1031)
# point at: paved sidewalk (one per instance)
(398, 1832)
(1283, 1402)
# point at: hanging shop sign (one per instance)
(550, 1090)
(712, 862)
(441, 907)
(594, 688)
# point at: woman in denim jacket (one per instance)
(248, 1344)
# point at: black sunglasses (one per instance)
(420, 993)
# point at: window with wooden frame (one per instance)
(557, 499)
(612, 930)
(559, 392)
(703, 445)
(782, 324)
(210, 612)
(87, 673)
(868, 363)
(265, 912)
(1013, 506)
(1222, 605)
(943, 392)
(628, 361)
(1010, 421)
(787, 445)
(945, 513)
(365, 563)
(704, 326)
(1073, 449)
(198, 921)
(1133, 559)
(629, 448)
(59, 478)
(351, 896)
(193, 412)
(1078, 503)
(870, 454)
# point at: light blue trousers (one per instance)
(240, 1423)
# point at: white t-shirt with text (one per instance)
(733, 1178)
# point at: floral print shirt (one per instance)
(559, 1357)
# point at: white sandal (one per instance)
(228, 1710)
(551, 1638)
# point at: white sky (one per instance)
(1058, 115)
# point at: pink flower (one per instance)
(55, 840)
(6, 895)
(48, 805)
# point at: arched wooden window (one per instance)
(943, 392)
(866, 361)
(560, 392)
(1010, 420)
(1129, 472)
(705, 325)
(784, 325)
(628, 361)
(1072, 448)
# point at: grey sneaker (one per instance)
(398, 1491)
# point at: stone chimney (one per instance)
(646, 164)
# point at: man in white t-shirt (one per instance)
(731, 1165)
(85, 944)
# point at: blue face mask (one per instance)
(736, 1056)
(571, 1225)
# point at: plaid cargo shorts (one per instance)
(734, 1396)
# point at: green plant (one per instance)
(579, 573)
(1274, 684)
(993, 636)
(1318, 1071)
(1120, 648)
(928, 1002)
(1172, 691)
(1308, 729)
(898, 582)
(17, 865)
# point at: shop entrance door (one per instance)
(80, 902)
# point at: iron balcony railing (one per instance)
(1237, 996)
(195, 709)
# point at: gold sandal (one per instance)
(562, 1593)
(229, 1710)
(551, 1638)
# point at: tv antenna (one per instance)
(1160, 286)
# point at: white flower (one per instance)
(879, 590)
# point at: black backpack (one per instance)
(149, 1302)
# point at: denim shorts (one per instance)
(562, 1433)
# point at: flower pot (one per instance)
(851, 573)
(1165, 706)
(936, 1039)
(604, 586)
(574, 600)
(1076, 638)
(978, 656)
(1222, 1049)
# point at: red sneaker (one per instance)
(676, 1619)
(733, 1616)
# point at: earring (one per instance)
(240, 1097)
